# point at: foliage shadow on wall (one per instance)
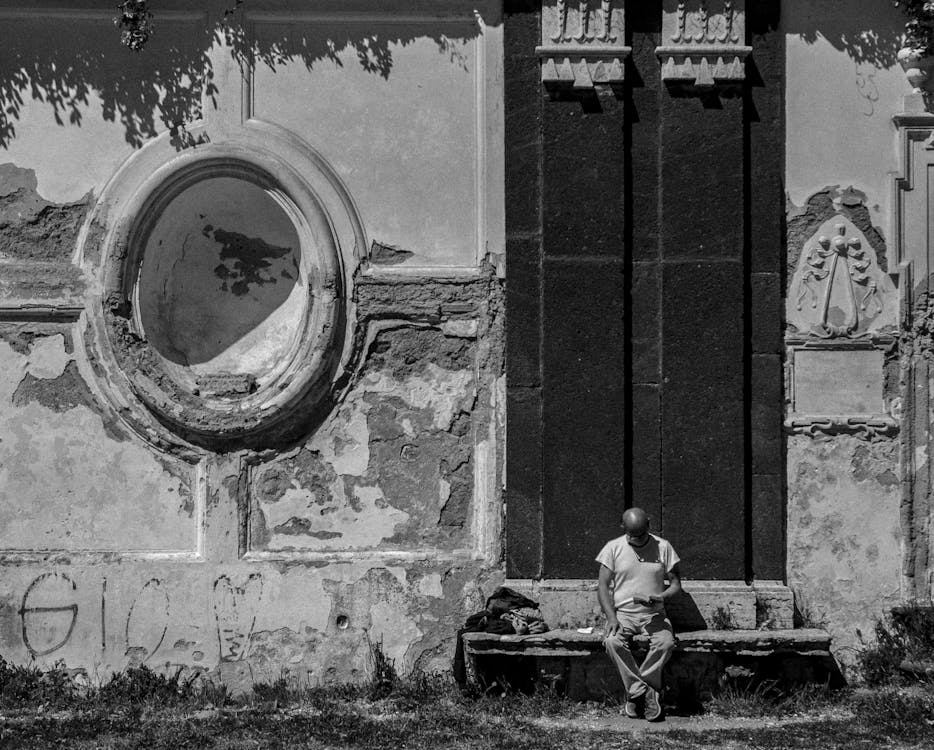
(81, 60)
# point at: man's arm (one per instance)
(674, 584)
(674, 588)
(605, 596)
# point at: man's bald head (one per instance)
(636, 522)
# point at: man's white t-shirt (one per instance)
(638, 571)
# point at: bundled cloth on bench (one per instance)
(507, 612)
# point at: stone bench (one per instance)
(577, 664)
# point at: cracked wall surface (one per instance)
(71, 480)
(375, 519)
(844, 534)
(846, 537)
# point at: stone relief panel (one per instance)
(703, 42)
(838, 289)
(841, 312)
(583, 43)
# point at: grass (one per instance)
(140, 708)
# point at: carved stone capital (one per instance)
(582, 43)
(703, 42)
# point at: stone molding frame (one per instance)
(130, 373)
(912, 194)
(861, 422)
(583, 45)
(703, 48)
(841, 312)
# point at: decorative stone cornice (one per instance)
(703, 47)
(582, 43)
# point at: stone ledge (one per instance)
(807, 642)
(572, 603)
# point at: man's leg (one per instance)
(661, 644)
(617, 647)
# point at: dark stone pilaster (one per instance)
(523, 146)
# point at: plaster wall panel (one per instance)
(844, 113)
(391, 469)
(93, 98)
(397, 108)
(844, 541)
(834, 382)
(73, 480)
(236, 622)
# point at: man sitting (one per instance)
(632, 593)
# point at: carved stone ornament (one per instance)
(838, 289)
(582, 43)
(703, 42)
(870, 427)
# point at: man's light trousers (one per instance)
(661, 644)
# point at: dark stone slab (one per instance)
(582, 177)
(765, 114)
(644, 88)
(646, 453)
(702, 177)
(767, 412)
(702, 423)
(768, 527)
(524, 483)
(523, 312)
(767, 313)
(645, 322)
(523, 113)
(584, 404)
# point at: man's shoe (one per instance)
(635, 706)
(653, 707)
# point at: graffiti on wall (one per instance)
(49, 615)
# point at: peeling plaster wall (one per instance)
(240, 623)
(844, 540)
(110, 550)
(392, 468)
(382, 523)
(69, 479)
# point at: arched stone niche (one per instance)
(221, 318)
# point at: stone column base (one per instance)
(705, 605)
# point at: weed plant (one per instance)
(907, 634)
(755, 700)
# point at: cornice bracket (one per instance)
(582, 43)
(703, 42)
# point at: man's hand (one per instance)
(647, 601)
(612, 625)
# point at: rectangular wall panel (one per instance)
(584, 399)
(702, 420)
